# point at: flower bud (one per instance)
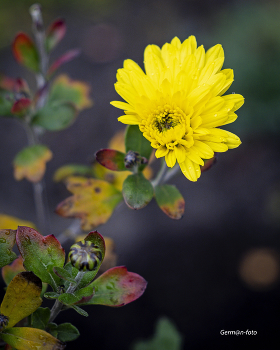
(3, 321)
(85, 255)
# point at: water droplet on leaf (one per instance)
(2, 240)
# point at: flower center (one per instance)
(164, 118)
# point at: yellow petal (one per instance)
(170, 159)
(180, 153)
(161, 152)
(129, 119)
(190, 169)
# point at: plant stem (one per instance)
(58, 306)
(160, 174)
(170, 173)
(70, 233)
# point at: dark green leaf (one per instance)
(86, 279)
(7, 241)
(135, 141)
(55, 116)
(79, 310)
(170, 201)
(51, 295)
(40, 318)
(52, 329)
(67, 332)
(137, 191)
(166, 337)
(62, 273)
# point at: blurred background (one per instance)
(218, 267)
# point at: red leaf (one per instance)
(67, 57)
(21, 106)
(111, 159)
(25, 52)
(55, 34)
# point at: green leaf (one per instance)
(30, 163)
(135, 141)
(55, 116)
(25, 338)
(62, 273)
(7, 241)
(86, 279)
(22, 297)
(137, 191)
(40, 318)
(80, 296)
(64, 332)
(170, 201)
(6, 103)
(117, 287)
(79, 310)
(40, 254)
(111, 159)
(166, 337)
(51, 295)
(25, 52)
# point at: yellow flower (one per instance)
(178, 103)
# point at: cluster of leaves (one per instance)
(42, 259)
(52, 107)
(120, 172)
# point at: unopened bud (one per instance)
(133, 158)
(85, 255)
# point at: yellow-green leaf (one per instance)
(30, 163)
(65, 89)
(10, 271)
(93, 201)
(22, 297)
(25, 338)
(11, 222)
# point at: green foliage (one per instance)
(7, 241)
(166, 337)
(41, 254)
(40, 318)
(64, 332)
(25, 52)
(170, 201)
(137, 191)
(136, 142)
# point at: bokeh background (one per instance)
(218, 267)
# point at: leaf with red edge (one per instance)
(209, 163)
(21, 106)
(10, 271)
(25, 338)
(55, 34)
(111, 159)
(67, 57)
(170, 201)
(25, 52)
(22, 297)
(40, 254)
(117, 287)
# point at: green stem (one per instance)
(170, 173)
(160, 174)
(58, 306)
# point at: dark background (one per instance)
(218, 267)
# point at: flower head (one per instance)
(178, 103)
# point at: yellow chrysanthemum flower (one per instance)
(178, 103)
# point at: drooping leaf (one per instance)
(7, 241)
(77, 92)
(67, 57)
(117, 287)
(137, 191)
(93, 201)
(25, 338)
(111, 159)
(40, 254)
(170, 201)
(166, 337)
(40, 318)
(55, 116)
(25, 52)
(72, 169)
(30, 163)
(22, 297)
(10, 271)
(67, 332)
(11, 222)
(55, 34)
(79, 310)
(135, 141)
